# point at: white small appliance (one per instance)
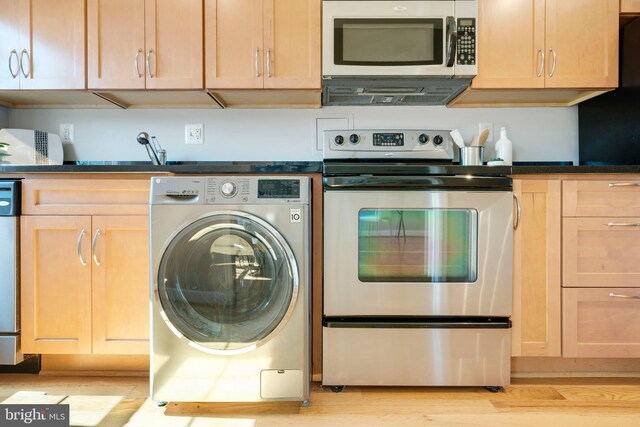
(31, 147)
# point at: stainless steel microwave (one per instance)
(400, 38)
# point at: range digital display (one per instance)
(278, 189)
(388, 139)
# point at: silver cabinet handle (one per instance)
(25, 74)
(269, 63)
(517, 222)
(82, 260)
(93, 247)
(623, 224)
(612, 295)
(149, 63)
(257, 62)
(136, 63)
(541, 69)
(624, 184)
(553, 65)
(452, 40)
(13, 52)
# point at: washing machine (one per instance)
(230, 296)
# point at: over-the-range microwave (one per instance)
(419, 38)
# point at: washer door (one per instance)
(227, 282)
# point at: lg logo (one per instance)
(295, 215)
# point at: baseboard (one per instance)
(548, 367)
(95, 365)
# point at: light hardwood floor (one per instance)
(566, 402)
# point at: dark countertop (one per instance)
(305, 167)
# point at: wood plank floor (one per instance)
(566, 402)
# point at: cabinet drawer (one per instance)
(596, 324)
(596, 254)
(615, 197)
(630, 6)
(85, 196)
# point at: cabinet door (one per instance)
(56, 284)
(536, 269)
(174, 37)
(9, 45)
(601, 322)
(120, 264)
(52, 32)
(292, 43)
(601, 252)
(582, 43)
(234, 46)
(115, 44)
(510, 44)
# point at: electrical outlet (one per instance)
(194, 134)
(66, 133)
(486, 125)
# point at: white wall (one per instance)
(537, 133)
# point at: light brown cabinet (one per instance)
(568, 49)
(601, 322)
(601, 272)
(42, 44)
(85, 278)
(145, 44)
(630, 6)
(536, 274)
(547, 43)
(263, 44)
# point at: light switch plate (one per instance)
(194, 134)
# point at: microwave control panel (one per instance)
(466, 51)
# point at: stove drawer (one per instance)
(416, 356)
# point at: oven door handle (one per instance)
(486, 183)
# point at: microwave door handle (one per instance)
(452, 40)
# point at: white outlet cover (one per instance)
(194, 134)
(66, 133)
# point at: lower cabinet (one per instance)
(85, 286)
(536, 268)
(601, 322)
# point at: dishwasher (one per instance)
(10, 352)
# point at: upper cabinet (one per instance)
(42, 44)
(630, 6)
(567, 45)
(145, 44)
(256, 44)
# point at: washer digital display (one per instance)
(278, 189)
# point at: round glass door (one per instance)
(227, 282)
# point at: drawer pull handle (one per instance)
(628, 224)
(612, 295)
(93, 247)
(517, 222)
(624, 184)
(80, 236)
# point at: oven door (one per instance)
(408, 252)
(386, 38)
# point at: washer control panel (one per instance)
(230, 190)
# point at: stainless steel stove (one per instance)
(417, 263)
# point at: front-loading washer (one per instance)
(230, 295)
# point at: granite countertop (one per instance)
(302, 167)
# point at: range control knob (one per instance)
(354, 139)
(228, 189)
(423, 138)
(437, 140)
(339, 140)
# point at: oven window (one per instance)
(418, 245)
(388, 42)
